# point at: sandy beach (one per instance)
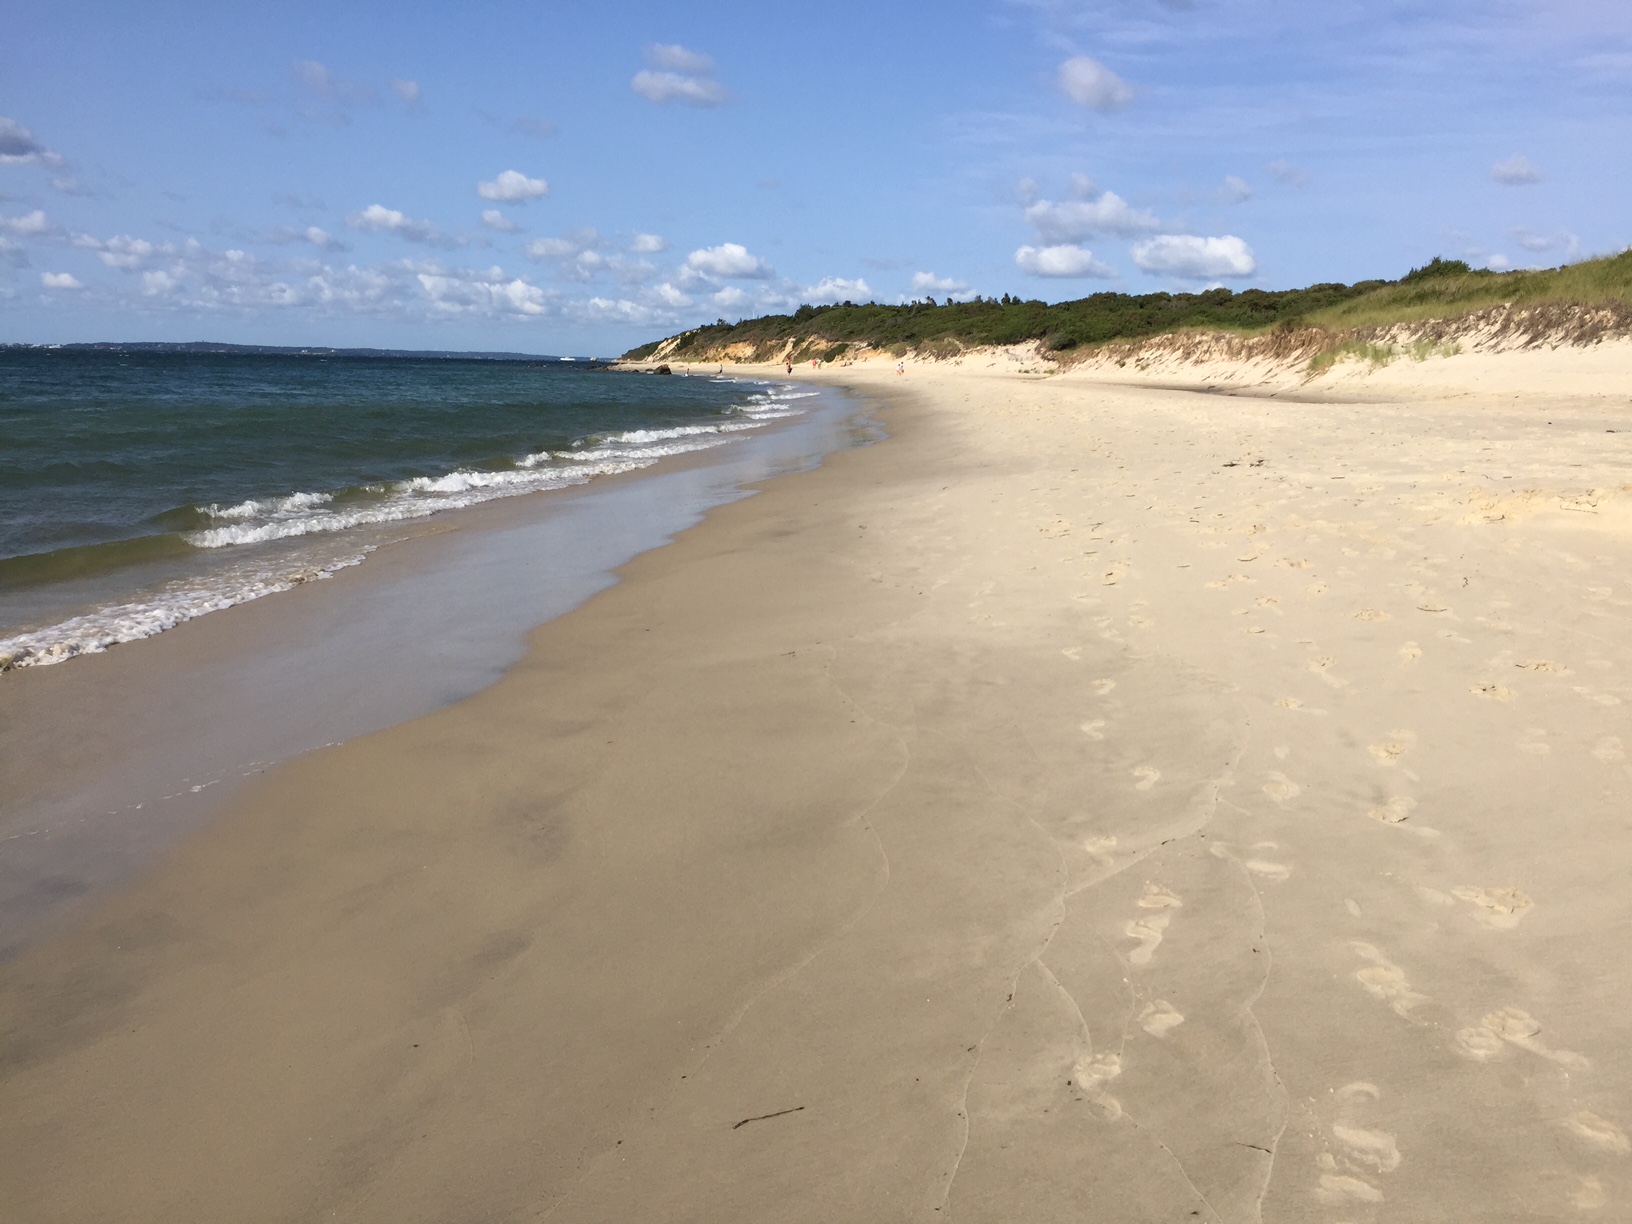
(1175, 794)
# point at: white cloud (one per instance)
(926, 282)
(1194, 258)
(1515, 171)
(408, 91)
(513, 187)
(677, 74)
(729, 259)
(1236, 190)
(27, 225)
(159, 282)
(836, 289)
(1074, 220)
(676, 58)
(496, 220)
(60, 280)
(19, 148)
(1285, 172)
(1087, 82)
(122, 251)
(311, 234)
(1063, 261)
(468, 291)
(1027, 191)
(1498, 263)
(377, 218)
(648, 244)
(730, 298)
(673, 87)
(670, 296)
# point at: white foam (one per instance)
(258, 521)
(94, 632)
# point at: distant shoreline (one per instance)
(282, 350)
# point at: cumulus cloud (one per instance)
(377, 218)
(676, 58)
(408, 91)
(1515, 171)
(19, 148)
(489, 292)
(836, 289)
(513, 187)
(60, 280)
(1087, 82)
(1074, 220)
(648, 244)
(27, 225)
(928, 282)
(673, 87)
(677, 74)
(1285, 172)
(496, 220)
(123, 251)
(1066, 260)
(1190, 257)
(729, 259)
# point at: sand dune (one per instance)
(1100, 800)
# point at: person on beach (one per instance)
(790, 367)
(900, 367)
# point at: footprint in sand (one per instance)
(1493, 692)
(1159, 1018)
(1094, 729)
(1257, 864)
(1092, 1073)
(1609, 749)
(1393, 748)
(1500, 909)
(1102, 849)
(1589, 1196)
(1598, 1132)
(1371, 614)
(1148, 776)
(1410, 652)
(1396, 811)
(1603, 699)
(1485, 1040)
(1318, 588)
(1385, 980)
(1074, 653)
(1358, 1152)
(1451, 635)
(1322, 667)
(1281, 788)
(1101, 687)
(1148, 932)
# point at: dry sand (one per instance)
(1102, 802)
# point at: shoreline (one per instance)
(109, 757)
(1094, 801)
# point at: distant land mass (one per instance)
(1443, 289)
(279, 350)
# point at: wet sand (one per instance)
(1097, 801)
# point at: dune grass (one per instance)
(1593, 282)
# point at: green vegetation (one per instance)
(1453, 289)
(1441, 289)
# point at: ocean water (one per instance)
(139, 490)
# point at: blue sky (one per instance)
(570, 178)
